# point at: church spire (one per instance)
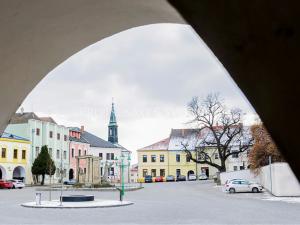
(112, 126)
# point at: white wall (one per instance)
(239, 174)
(284, 182)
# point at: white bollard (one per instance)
(38, 198)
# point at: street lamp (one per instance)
(122, 166)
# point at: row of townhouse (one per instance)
(26, 133)
(167, 157)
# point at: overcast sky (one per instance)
(151, 72)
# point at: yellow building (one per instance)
(14, 158)
(167, 157)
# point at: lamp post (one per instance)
(122, 166)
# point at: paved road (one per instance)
(163, 203)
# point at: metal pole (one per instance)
(270, 164)
(122, 169)
(197, 177)
(61, 178)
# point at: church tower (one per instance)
(112, 126)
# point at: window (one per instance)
(100, 155)
(79, 152)
(235, 155)
(112, 156)
(145, 172)
(65, 137)
(84, 170)
(234, 168)
(72, 153)
(50, 134)
(144, 158)
(162, 158)
(3, 153)
(37, 131)
(23, 154)
(111, 171)
(57, 154)
(58, 136)
(84, 152)
(177, 157)
(188, 159)
(162, 172)
(15, 153)
(153, 158)
(101, 171)
(65, 154)
(37, 151)
(107, 156)
(153, 172)
(50, 152)
(216, 155)
(242, 167)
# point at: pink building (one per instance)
(78, 147)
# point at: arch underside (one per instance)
(257, 42)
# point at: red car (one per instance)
(159, 179)
(6, 184)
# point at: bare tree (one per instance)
(219, 132)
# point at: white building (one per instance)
(110, 155)
(42, 131)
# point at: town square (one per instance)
(149, 112)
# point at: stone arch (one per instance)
(189, 173)
(2, 173)
(71, 174)
(19, 173)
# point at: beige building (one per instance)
(167, 157)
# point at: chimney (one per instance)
(81, 129)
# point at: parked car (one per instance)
(242, 186)
(192, 177)
(17, 183)
(141, 180)
(159, 179)
(148, 179)
(181, 178)
(203, 176)
(6, 184)
(170, 178)
(70, 182)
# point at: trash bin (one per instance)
(38, 198)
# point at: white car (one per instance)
(203, 176)
(17, 183)
(241, 185)
(192, 177)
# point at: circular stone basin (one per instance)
(78, 198)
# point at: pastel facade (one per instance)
(43, 131)
(78, 147)
(167, 157)
(108, 153)
(14, 158)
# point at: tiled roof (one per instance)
(96, 141)
(23, 117)
(161, 145)
(82, 140)
(12, 136)
(48, 119)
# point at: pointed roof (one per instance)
(112, 119)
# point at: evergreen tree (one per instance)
(43, 164)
